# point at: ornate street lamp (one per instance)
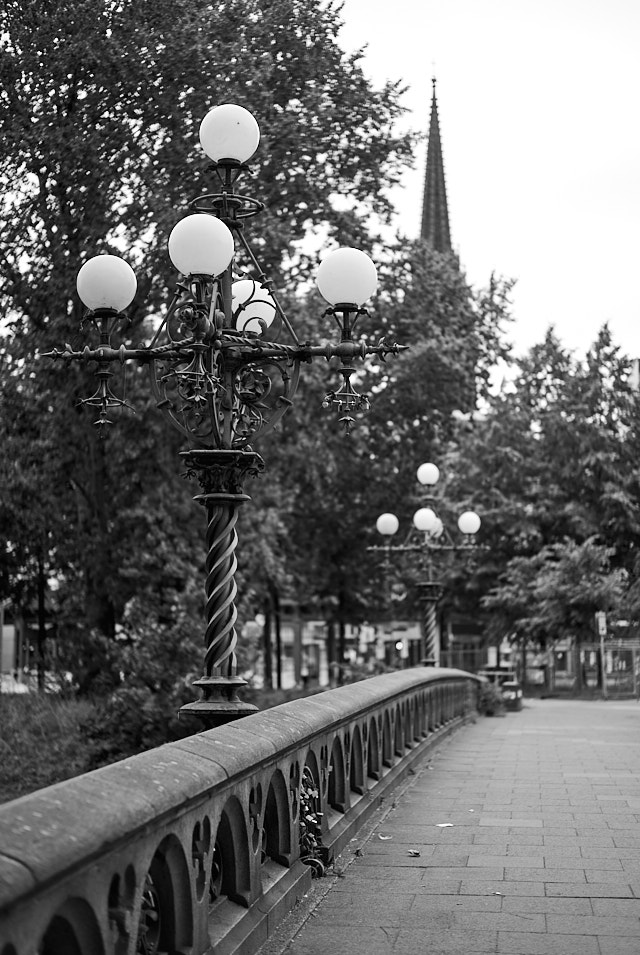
(430, 538)
(224, 365)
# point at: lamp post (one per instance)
(429, 537)
(218, 368)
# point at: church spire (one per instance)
(435, 214)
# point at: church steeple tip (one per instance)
(435, 212)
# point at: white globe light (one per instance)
(438, 530)
(229, 132)
(347, 277)
(201, 245)
(425, 519)
(252, 304)
(428, 474)
(469, 523)
(387, 524)
(106, 281)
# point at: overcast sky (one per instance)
(539, 105)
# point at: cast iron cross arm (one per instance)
(234, 352)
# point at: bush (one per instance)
(132, 720)
(47, 738)
(42, 741)
(491, 700)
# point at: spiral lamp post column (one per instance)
(224, 364)
(221, 476)
(428, 538)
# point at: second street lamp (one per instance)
(429, 537)
(218, 368)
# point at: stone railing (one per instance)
(195, 847)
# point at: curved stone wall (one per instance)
(196, 845)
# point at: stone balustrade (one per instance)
(194, 847)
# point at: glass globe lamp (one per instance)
(387, 524)
(200, 244)
(229, 132)
(469, 523)
(106, 281)
(347, 277)
(428, 474)
(425, 519)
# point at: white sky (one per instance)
(539, 105)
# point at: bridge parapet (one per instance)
(194, 847)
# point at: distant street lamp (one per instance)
(217, 368)
(429, 537)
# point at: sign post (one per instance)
(601, 626)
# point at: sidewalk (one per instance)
(521, 836)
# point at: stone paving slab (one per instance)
(528, 834)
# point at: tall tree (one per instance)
(552, 467)
(100, 110)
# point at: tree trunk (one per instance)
(331, 651)
(42, 630)
(275, 604)
(266, 643)
(579, 684)
(100, 610)
(342, 649)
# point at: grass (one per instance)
(41, 741)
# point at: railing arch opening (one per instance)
(73, 930)
(337, 795)
(277, 822)
(165, 924)
(416, 707)
(387, 748)
(423, 726)
(356, 763)
(373, 750)
(398, 735)
(408, 724)
(437, 707)
(231, 868)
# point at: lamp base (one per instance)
(220, 703)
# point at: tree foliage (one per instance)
(552, 466)
(101, 104)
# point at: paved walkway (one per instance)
(521, 836)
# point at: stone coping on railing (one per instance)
(173, 849)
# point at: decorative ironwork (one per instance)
(150, 925)
(216, 880)
(258, 835)
(200, 845)
(312, 852)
